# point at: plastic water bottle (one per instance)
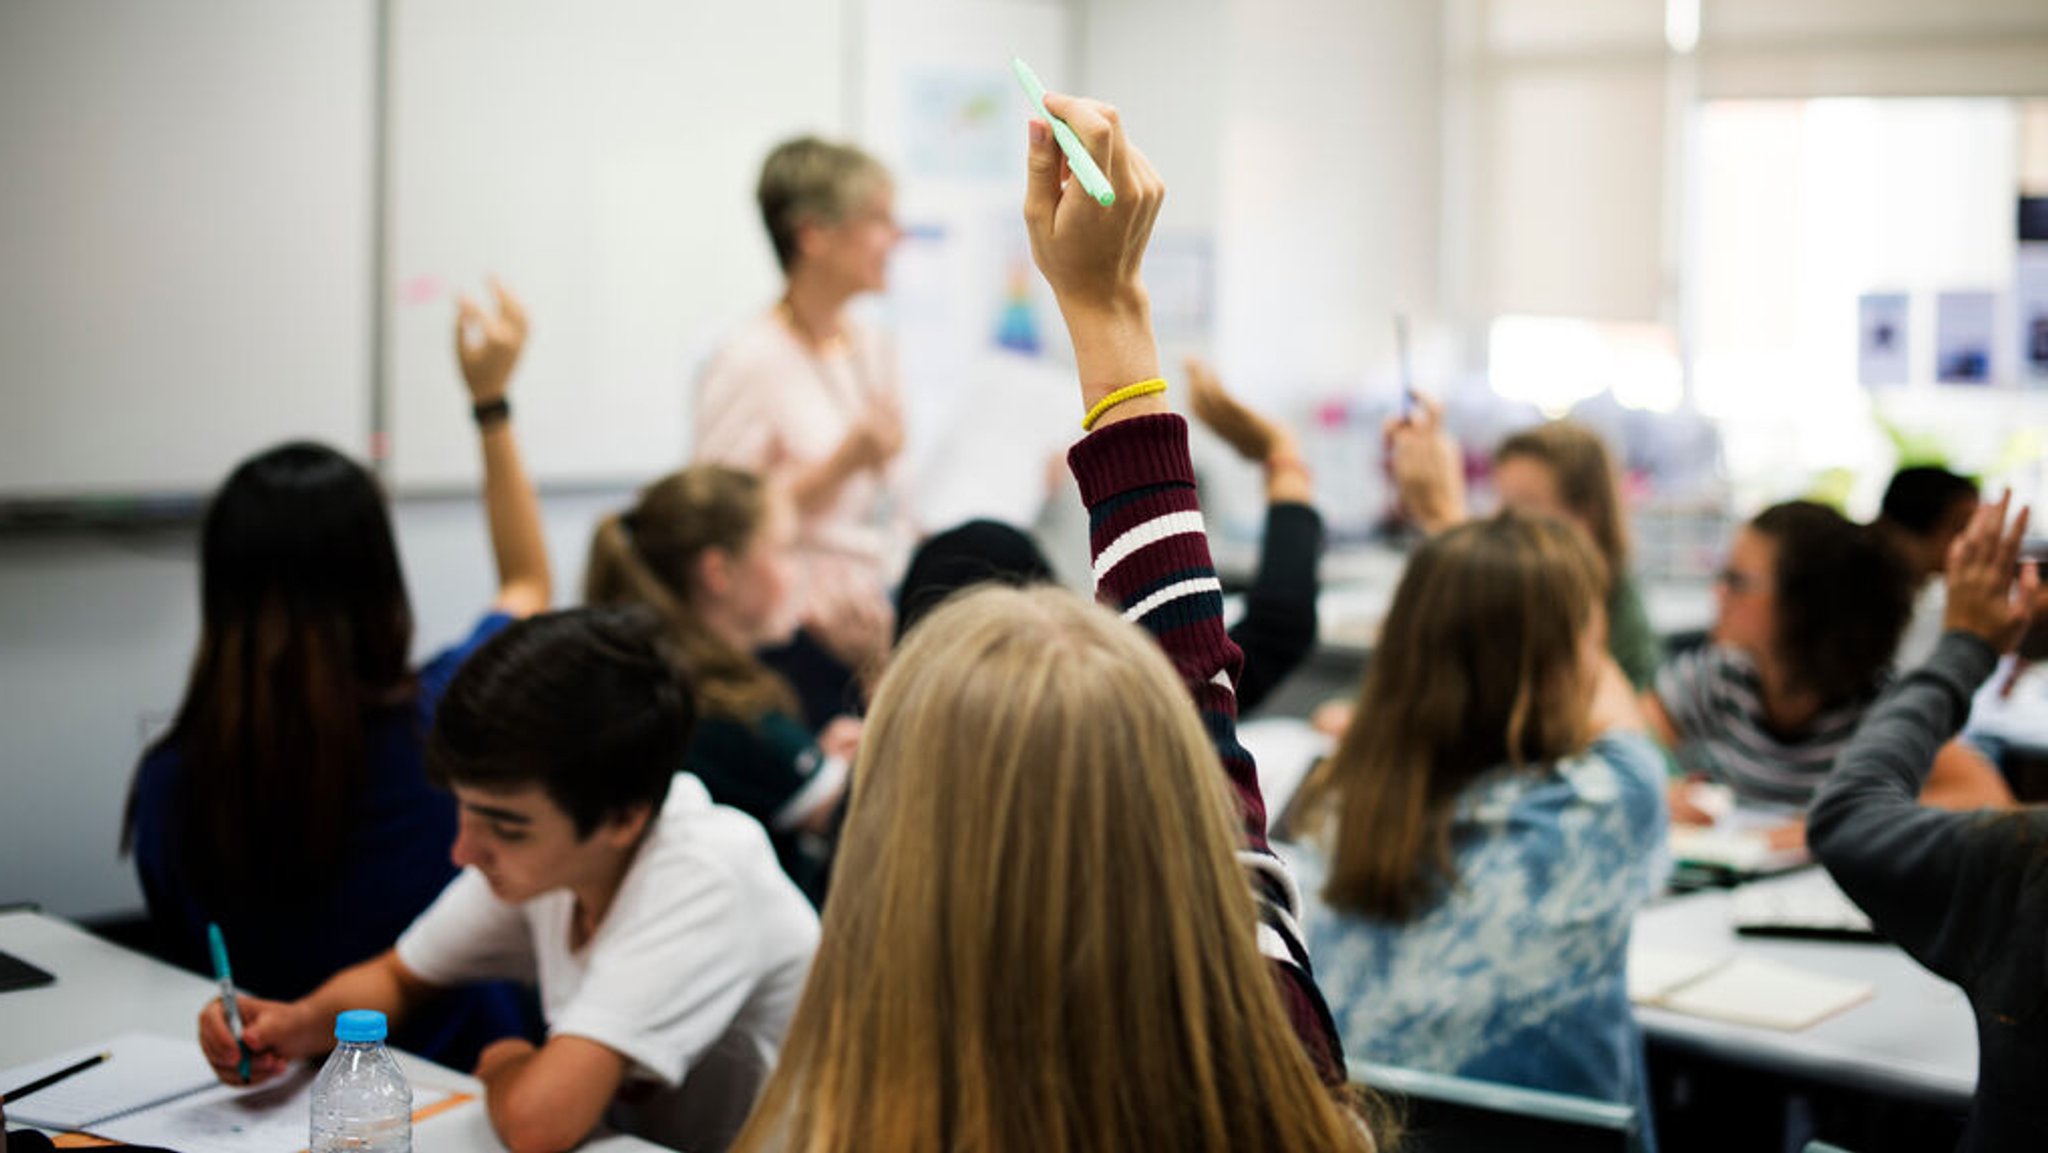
(361, 1101)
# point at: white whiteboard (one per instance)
(185, 238)
(600, 157)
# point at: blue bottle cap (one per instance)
(359, 1026)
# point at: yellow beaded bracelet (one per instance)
(1127, 392)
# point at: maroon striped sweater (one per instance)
(1152, 563)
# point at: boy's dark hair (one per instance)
(1918, 499)
(977, 552)
(1844, 598)
(584, 703)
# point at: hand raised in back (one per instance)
(1428, 467)
(488, 344)
(1253, 436)
(1988, 594)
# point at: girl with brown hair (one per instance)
(1488, 824)
(1559, 469)
(707, 549)
(1041, 935)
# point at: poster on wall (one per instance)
(2031, 292)
(1965, 328)
(962, 126)
(1881, 346)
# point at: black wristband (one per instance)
(491, 412)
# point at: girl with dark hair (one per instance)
(708, 549)
(287, 802)
(1810, 610)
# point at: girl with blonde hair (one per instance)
(707, 548)
(1489, 823)
(1042, 935)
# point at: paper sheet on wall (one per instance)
(1882, 356)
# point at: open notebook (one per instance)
(1742, 990)
(160, 1091)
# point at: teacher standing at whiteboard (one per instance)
(810, 398)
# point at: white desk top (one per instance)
(103, 989)
(1915, 1039)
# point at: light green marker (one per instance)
(1093, 182)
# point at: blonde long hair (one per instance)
(1039, 936)
(1477, 666)
(646, 555)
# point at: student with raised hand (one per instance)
(1278, 630)
(1965, 893)
(810, 398)
(1810, 607)
(708, 549)
(668, 946)
(1489, 824)
(1558, 469)
(1046, 924)
(288, 802)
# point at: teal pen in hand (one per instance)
(1093, 182)
(221, 973)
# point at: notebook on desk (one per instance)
(1742, 990)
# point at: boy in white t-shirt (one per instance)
(668, 945)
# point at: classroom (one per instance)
(572, 527)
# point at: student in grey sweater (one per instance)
(1966, 893)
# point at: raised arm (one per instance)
(1428, 467)
(1151, 554)
(1278, 631)
(487, 345)
(1939, 883)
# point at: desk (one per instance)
(1916, 1039)
(103, 989)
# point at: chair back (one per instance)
(1445, 1114)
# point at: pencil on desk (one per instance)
(44, 1082)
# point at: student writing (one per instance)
(667, 944)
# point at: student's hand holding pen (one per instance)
(277, 1034)
(1091, 255)
(1428, 468)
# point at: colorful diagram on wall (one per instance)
(1017, 319)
